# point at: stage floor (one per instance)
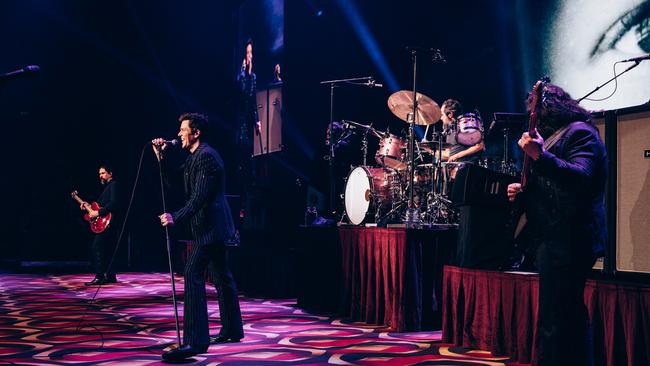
(132, 323)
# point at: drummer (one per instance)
(451, 109)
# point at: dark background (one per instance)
(115, 74)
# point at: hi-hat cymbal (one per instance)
(431, 147)
(401, 104)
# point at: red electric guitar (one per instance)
(97, 224)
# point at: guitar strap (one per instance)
(556, 136)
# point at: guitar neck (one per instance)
(81, 202)
(525, 169)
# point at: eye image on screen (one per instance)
(587, 38)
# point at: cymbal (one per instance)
(401, 104)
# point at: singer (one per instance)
(248, 121)
(208, 214)
(247, 80)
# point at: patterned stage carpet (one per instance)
(132, 323)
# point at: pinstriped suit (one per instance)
(211, 223)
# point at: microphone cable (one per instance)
(117, 245)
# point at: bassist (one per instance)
(563, 199)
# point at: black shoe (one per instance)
(96, 281)
(111, 279)
(225, 339)
(183, 352)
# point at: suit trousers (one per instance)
(195, 312)
(102, 251)
(564, 336)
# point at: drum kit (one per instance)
(380, 194)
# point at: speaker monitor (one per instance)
(269, 110)
(633, 192)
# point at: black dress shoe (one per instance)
(183, 352)
(110, 279)
(96, 281)
(225, 339)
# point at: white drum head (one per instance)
(357, 195)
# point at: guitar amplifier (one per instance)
(475, 185)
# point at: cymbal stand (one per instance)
(438, 206)
(504, 161)
(412, 215)
(364, 146)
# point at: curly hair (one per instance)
(197, 121)
(556, 108)
(454, 106)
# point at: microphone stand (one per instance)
(169, 256)
(636, 63)
(331, 155)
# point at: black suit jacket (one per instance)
(206, 206)
(109, 201)
(565, 197)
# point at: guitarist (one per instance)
(564, 205)
(104, 243)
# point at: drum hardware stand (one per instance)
(364, 146)
(506, 166)
(330, 156)
(438, 206)
(412, 215)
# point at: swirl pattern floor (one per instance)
(49, 320)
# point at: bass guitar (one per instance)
(97, 224)
(523, 250)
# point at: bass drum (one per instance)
(366, 190)
(470, 129)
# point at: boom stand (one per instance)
(169, 258)
(330, 156)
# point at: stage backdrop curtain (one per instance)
(497, 311)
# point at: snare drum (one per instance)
(470, 129)
(367, 190)
(390, 153)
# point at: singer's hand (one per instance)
(166, 219)
(159, 145)
(513, 190)
(243, 65)
(92, 214)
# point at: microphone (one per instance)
(27, 70)
(373, 84)
(637, 59)
(173, 142)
